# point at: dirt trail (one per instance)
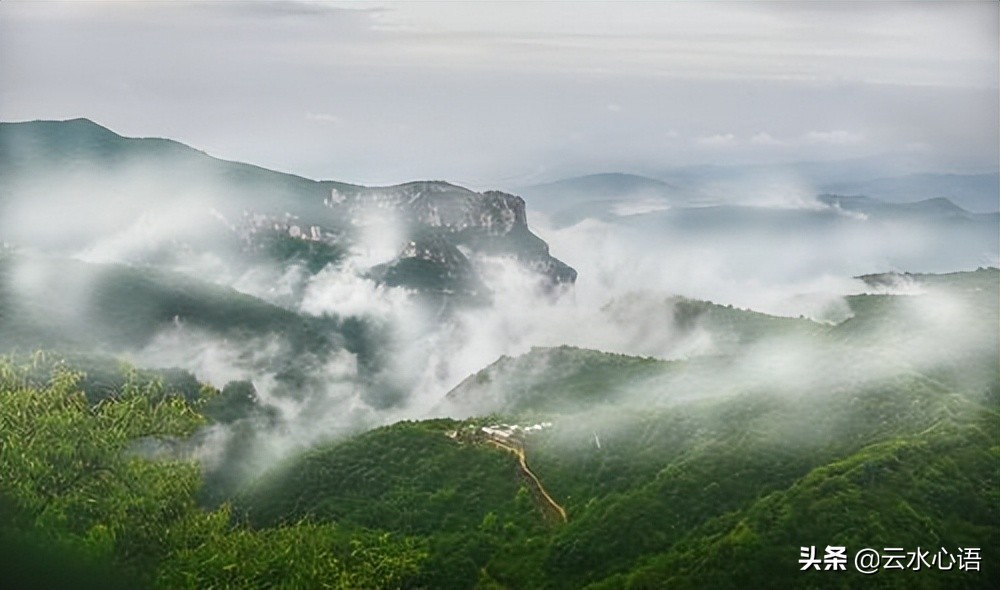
(536, 483)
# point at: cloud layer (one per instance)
(496, 94)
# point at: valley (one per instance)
(242, 378)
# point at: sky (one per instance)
(505, 94)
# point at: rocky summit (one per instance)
(247, 213)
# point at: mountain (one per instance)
(300, 416)
(611, 195)
(99, 312)
(288, 295)
(441, 217)
(72, 186)
(699, 472)
(979, 193)
(554, 379)
(68, 304)
(931, 210)
(934, 235)
(810, 173)
(549, 380)
(608, 188)
(680, 472)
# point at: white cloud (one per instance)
(480, 91)
(835, 137)
(763, 138)
(323, 118)
(717, 140)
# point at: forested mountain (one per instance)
(220, 376)
(708, 471)
(71, 186)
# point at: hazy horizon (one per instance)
(498, 95)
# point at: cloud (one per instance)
(630, 267)
(270, 9)
(481, 91)
(917, 146)
(836, 137)
(459, 90)
(717, 140)
(323, 118)
(763, 138)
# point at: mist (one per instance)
(387, 92)
(151, 251)
(795, 383)
(772, 248)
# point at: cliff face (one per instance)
(444, 224)
(438, 228)
(438, 204)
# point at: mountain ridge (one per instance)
(54, 163)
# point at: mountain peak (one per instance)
(77, 125)
(45, 156)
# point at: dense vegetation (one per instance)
(240, 215)
(69, 304)
(707, 473)
(94, 312)
(75, 489)
(683, 474)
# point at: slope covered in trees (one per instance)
(879, 432)
(76, 492)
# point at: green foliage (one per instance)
(934, 491)
(33, 560)
(303, 555)
(65, 463)
(238, 400)
(283, 248)
(101, 377)
(548, 380)
(670, 478)
(72, 488)
(408, 478)
(128, 306)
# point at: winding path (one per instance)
(537, 484)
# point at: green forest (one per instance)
(670, 476)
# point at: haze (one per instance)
(503, 95)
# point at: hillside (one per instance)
(668, 471)
(222, 376)
(658, 490)
(67, 304)
(879, 431)
(165, 203)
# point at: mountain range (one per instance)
(728, 185)
(220, 376)
(67, 186)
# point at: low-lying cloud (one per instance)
(750, 253)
